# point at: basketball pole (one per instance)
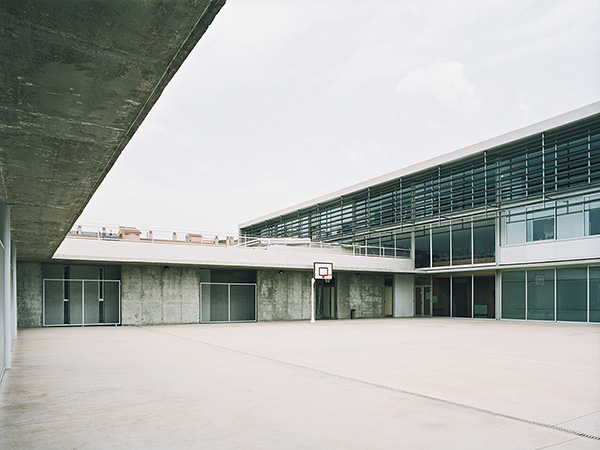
(312, 300)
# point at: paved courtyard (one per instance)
(391, 383)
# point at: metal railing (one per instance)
(354, 249)
(211, 239)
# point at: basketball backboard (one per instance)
(323, 271)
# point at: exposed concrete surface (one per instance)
(29, 294)
(364, 293)
(273, 257)
(76, 82)
(153, 295)
(283, 296)
(404, 295)
(388, 383)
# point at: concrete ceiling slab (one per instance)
(76, 81)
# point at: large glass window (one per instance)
(569, 220)
(540, 294)
(461, 243)
(422, 249)
(571, 294)
(441, 295)
(484, 303)
(440, 238)
(403, 244)
(484, 241)
(594, 294)
(513, 295)
(540, 224)
(515, 227)
(461, 296)
(592, 216)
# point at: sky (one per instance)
(281, 102)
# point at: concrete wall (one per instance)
(284, 296)
(365, 293)
(153, 295)
(404, 288)
(29, 294)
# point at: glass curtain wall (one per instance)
(484, 241)
(440, 240)
(441, 295)
(422, 249)
(547, 163)
(403, 244)
(536, 289)
(592, 215)
(468, 243)
(540, 294)
(594, 284)
(571, 294)
(513, 295)
(461, 295)
(540, 224)
(461, 243)
(575, 217)
(484, 295)
(569, 220)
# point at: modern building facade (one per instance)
(505, 229)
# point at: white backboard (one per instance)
(323, 271)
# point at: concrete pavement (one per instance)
(387, 383)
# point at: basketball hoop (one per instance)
(323, 271)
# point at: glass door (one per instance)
(422, 300)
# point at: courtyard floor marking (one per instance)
(380, 386)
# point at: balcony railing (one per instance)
(146, 235)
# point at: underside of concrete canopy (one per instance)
(76, 81)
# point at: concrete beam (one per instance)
(80, 80)
(275, 257)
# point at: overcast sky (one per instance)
(282, 101)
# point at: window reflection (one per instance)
(484, 241)
(440, 240)
(422, 251)
(461, 243)
(540, 224)
(540, 294)
(569, 220)
(513, 295)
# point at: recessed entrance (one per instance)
(326, 299)
(422, 300)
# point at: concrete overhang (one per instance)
(76, 81)
(90, 250)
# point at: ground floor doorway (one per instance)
(423, 300)
(79, 295)
(470, 295)
(227, 302)
(326, 299)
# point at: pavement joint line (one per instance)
(539, 361)
(579, 417)
(380, 386)
(557, 443)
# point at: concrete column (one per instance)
(13, 271)
(404, 288)
(498, 294)
(6, 290)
